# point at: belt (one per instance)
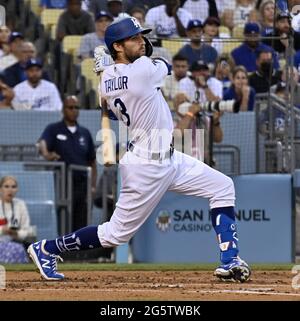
(143, 153)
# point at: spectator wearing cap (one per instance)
(115, 8)
(246, 54)
(36, 93)
(94, 6)
(16, 73)
(265, 76)
(211, 35)
(201, 86)
(74, 21)
(197, 89)
(282, 30)
(240, 89)
(168, 20)
(196, 50)
(15, 39)
(91, 40)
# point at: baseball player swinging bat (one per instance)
(147, 172)
(103, 60)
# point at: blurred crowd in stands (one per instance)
(232, 42)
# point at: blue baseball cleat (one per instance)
(46, 262)
(236, 270)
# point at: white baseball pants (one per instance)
(144, 182)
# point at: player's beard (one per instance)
(134, 56)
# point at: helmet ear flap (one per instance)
(149, 47)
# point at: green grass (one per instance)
(144, 267)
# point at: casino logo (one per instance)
(163, 220)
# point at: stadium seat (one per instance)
(53, 31)
(49, 17)
(172, 45)
(70, 45)
(11, 166)
(87, 66)
(34, 185)
(238, 32)
(43, 216)
(35, 7)
(228, 46)
(223, 30)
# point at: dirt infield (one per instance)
(148, 285)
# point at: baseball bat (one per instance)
(108, 148)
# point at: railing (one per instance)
(279, 149)
(88, 171)
(59, 169)
(235, 160)
(18, 152)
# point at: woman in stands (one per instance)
(15, 229)
(240, 89)
(266, 11)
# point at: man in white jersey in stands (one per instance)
(168, 20)
(36, 93)
(130, 88)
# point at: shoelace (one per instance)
(54, 260)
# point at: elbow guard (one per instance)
(166, 63)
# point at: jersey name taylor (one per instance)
(116, 83)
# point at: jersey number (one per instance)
(119, 104)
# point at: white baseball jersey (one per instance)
(198, 9)
(188, 86)
(164, 25)
(43, 97)
(133, 94)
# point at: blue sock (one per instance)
(83, 239)
(223, 221)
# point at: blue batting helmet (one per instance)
(123, 29)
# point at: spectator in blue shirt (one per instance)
(196, 50)
(53, 4)
(246, 53)
(240, 89)
(71, 143)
